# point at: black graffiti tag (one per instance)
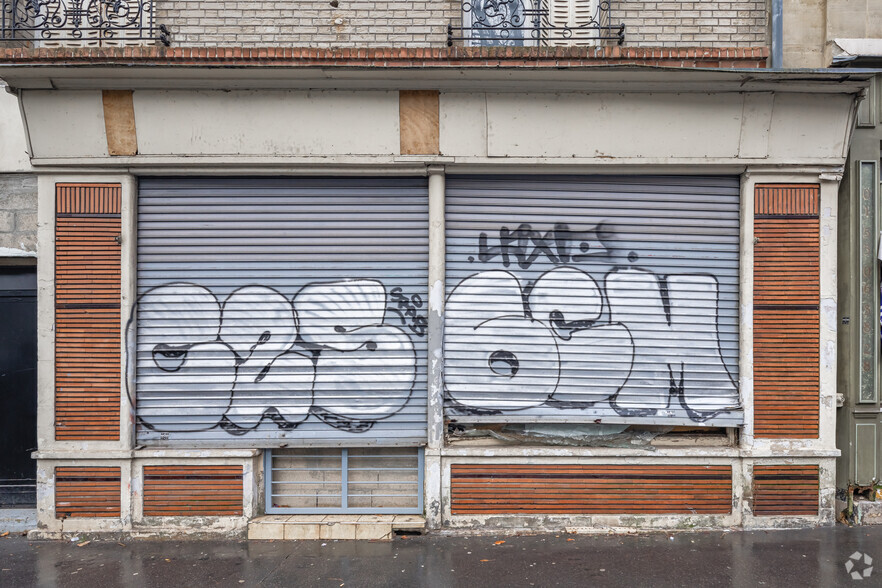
(406, 309)
(560, 245)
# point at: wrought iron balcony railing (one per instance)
(102, 22)
(532, 23)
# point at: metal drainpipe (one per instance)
(777, 34)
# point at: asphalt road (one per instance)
(813, 557)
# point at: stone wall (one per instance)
(18, 215)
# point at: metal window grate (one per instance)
(367, 480)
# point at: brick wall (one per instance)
(716, 23)
(18, 212)
(421, 23)
(314, 23)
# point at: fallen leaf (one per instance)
(4, 534)
(570, 539)
(83, 543)
(485, 560)
(167, 559)
(121, 544)
(498, 542)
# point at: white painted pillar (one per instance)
(829, 315)
(128, 295)
(435, 407)
(745, 331)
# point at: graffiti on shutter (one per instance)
(329, 352)
(594, 300)
(280, 309)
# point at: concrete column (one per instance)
(828, 312)
(46, 313)
(435, 407)
(128, 295)
(745, 333)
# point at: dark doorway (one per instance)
(18, 386)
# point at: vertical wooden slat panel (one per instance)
(193, 490)
(87, 492)
(87, 311)
(786, 298)
(785, 490)
(590, 489)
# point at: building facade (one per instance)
(18, 306)
(499, 283)
(848, 36)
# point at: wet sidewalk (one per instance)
(813, 557)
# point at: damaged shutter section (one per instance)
(281, 311)
(592, 299)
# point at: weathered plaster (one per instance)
(14, 147)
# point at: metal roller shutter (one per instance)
(592, 299)
(282, 311)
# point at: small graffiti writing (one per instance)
(406, 309)
(561, 245)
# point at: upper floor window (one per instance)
(45, 23)
(533, 23)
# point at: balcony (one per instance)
(89, 23)
(536, 23)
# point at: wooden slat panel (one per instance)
(785, 490)
(88, 199)
(787, 199)
(786, 261)
(786, 320)
(87, 492)
(87, 299)
(87, 261)
(595, 489)
(193, 490)
(786, 373)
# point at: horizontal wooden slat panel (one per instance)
(88, 198)
(193, 490)
(786, 373)
(87, 298)
(786, 297)
(786, 261)
(87, 492)
(595, 489)
(787, 199)
(87, 260)
(87, 367)
(785, 490)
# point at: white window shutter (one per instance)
(570, 14)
